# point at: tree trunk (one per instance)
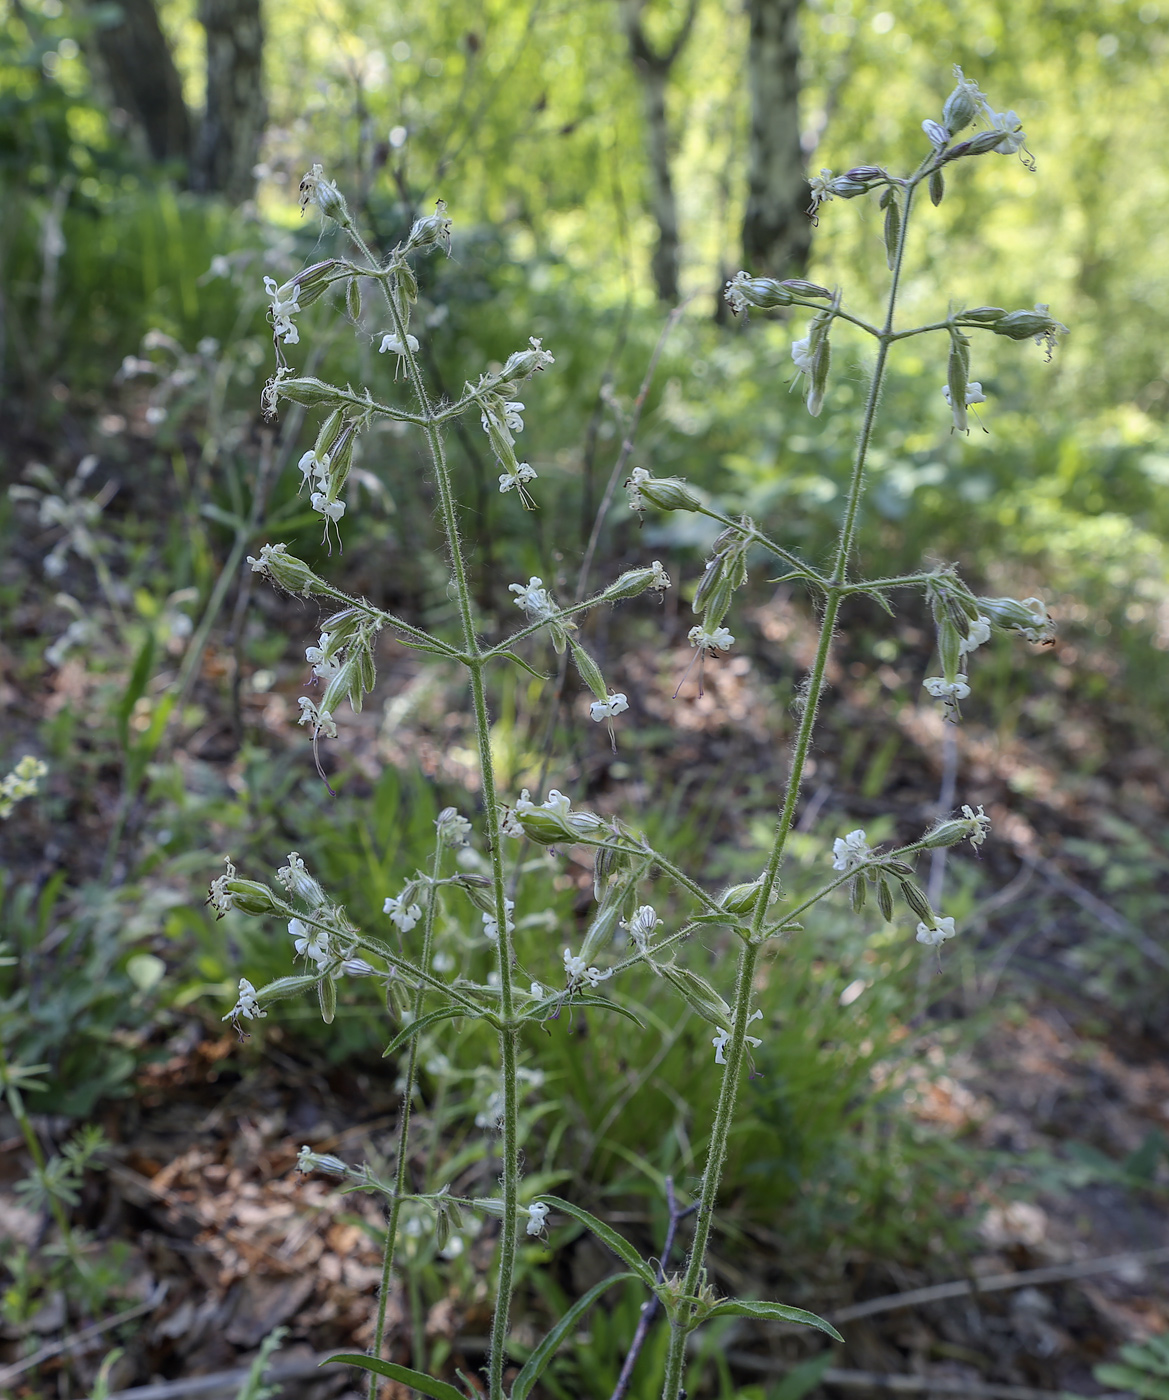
(777, 234)
(653, 69)
(233, 123)
(143, 80)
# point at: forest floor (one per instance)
(224, 1241)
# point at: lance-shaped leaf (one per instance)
(423, 1023)
(772, 1312)
(607, 1235)
(544, 1352)
(417, 1380)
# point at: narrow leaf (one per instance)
(608, 1005)
(135, 687)
(547, 1348)
(417, 1380)
(519, 661)
(608, 1236)
(773, 1312)
(431, 1018)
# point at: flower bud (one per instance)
(1029, 618)
(589, 671)
(961, 107)
(311, 393)
(522, 364)
(950, 649)
(665, 492)
(849, 189)
(798, 287)
(432, 232)
(885, 900)
(250, 897)
(856, 893)
(765, 293)
(636, 581)
(698, 993)
(313, 282)
(978, 145)
(937, 187)
(742, 899)
(983, 315)
(914, 896)
(946, 834)
(1021, 325)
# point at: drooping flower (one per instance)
(717, 640)
(606, 709)
(392, 344)
(942, 930)
(314, 469)
(974, 395)
(537, 1215)
(721, 1040)
(982, 825)
(948, 692)
(282, 310)
(247, 1007)
(978, 634)
(491, 924)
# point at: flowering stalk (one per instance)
(410, 1078)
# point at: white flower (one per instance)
(509, 823)
(312, 943)
(453, 828)
(974, 393)
(642, 925)
(331, 510)
(978, 836)
(661, 579)
(295, 877)
(948, 691)
(802, 354)
(721, 1040)
(325, 667)
(314, 468)
(576, 972)
(282, 311)
(536, 991)
(491, 1115)
(850, 851)
(517, 479)
(221, 899)
(247, 1005)
(537, 1214)
(1043, 628)
(821, 190)
(1009, 122)
(718, 640)
(491, 925)
(405, 916)
(636, 477)
(532, 597)
(321, 721)
(937, 133)
(393, 345)
(606, 709)
(936, 936)
(978, 634)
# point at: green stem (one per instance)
(395, 1210)
(682, 1322)
(509, 1032)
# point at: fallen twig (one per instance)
(997, 1283)
(82, 1338)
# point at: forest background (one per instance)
(603, 163)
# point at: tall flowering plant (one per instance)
(625, 929)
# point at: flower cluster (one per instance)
(577, 974)
(850, 851)
(22, 782)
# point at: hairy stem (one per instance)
(402, 1163)
(683, 1322)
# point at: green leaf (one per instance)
(418, 1380)
(608, 1005)
(431, 1018)
(135, 688)
(772, 1312)
(547, 1348)
(224, 517)
(607, 1235)
(1129, 1378)
(519, 661)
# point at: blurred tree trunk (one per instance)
(653, 70)
(228, 145)
(777, 233)
(143, 81)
